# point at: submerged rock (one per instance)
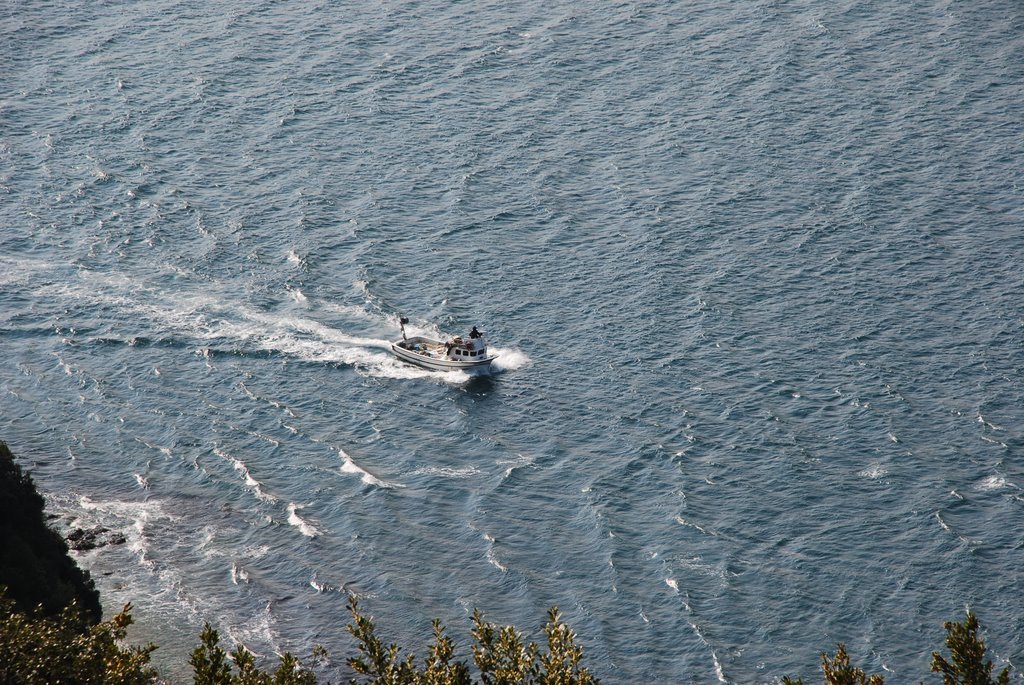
(81, 540)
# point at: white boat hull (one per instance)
(431, 358)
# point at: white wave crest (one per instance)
(492, 558)
(306, 528)
(349, 466)
(243, 470)
(690, 524)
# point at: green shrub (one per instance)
(500, 655)
(210, 666)
(66, 648)
(967, 653)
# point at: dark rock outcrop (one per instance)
(35, 567)
(80, 539)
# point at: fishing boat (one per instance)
(457, 354)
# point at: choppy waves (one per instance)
(752, 276)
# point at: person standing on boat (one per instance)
(474, 334)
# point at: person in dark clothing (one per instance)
(474, 334)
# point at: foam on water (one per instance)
(243, 470)
(304, 526)
(212, 322)
(294, 259)
(128, 517)
(509, 359)
(447, 471)
(994, 482)
(873, 472)
(520, 461)
(348, 465)
(491, 556)
(684, 522)
(238, 574)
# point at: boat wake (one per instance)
(217, 327)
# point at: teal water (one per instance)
(753, 271)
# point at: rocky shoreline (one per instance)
(82, 540)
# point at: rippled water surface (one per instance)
(753, 271)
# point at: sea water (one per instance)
(753, 272)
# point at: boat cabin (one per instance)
(466, 350)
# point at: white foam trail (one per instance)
(684, 522)
(509, 359)
(349, 466)
(349, 310)
(242, 469)
(23, 271)
(447, 471)
(318, 585)
(992, 483)
(719, 673)
(249, 393)
(304, 527)
(295, 259)
(519, 463)
(64, 365)
(982, 420)
(718, 666)
(129, 518)
(874, 472)
(318, 342)
(945, 527)
(238, 574)
(491, 557)
(213, 322)
(258, 629)
(319, 330)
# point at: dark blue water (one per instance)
(753, 270)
